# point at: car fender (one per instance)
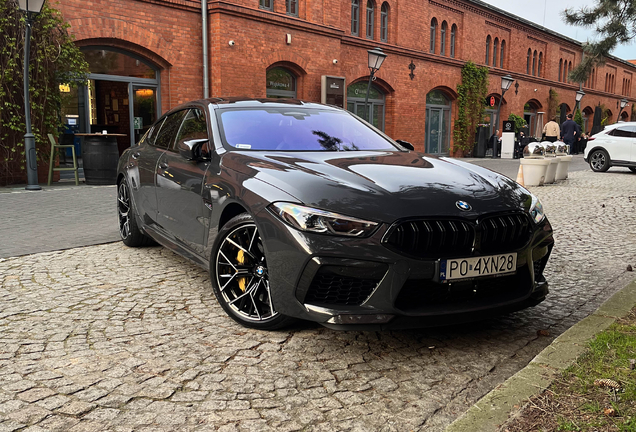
(593, 149)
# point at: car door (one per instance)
(620, 142)
(181, 210)
(143, 159)
(148, 160)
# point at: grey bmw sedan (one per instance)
(305, 211)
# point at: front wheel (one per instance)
(239, 275)
(599, 161)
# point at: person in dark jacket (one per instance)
(570, 132)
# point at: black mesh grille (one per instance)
(418, 295)
(330, 288)
(454, 238)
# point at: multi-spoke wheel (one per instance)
(240, 277)
(128, 229)
(599, 161)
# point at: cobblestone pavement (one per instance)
(112, 338)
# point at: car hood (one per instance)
(382, 185)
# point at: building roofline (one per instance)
(524, 21)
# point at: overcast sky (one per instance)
(548, 14)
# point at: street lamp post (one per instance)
(506, 82)
(31, 8)
(376, 57)
(623, 105)
(578, 97)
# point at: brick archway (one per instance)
(125, 35)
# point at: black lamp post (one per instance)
(506, 82)
(376, 57)
(623, 105)
(578, 97)
(31, 8)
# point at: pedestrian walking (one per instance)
(551, 130)
(570, 132)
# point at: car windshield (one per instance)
(298, 129)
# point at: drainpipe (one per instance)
(204, 24)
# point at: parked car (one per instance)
(613, 146)
(301, 210)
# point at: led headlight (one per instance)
(536, 210)
(320, 221)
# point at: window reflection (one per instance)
(103, 61)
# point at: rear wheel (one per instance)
(599, 161)
(240, 278)
(129, 232)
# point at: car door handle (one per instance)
(136, 155)
(163, 165)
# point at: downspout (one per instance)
(204, 24)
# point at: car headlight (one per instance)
(536, 210)
(320, 221)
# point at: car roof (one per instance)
(245, 102)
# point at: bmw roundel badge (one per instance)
(463, 205)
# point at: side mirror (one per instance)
(191, 149)
(405, 144)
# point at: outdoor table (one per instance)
(100, 156)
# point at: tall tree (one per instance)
(614, 22)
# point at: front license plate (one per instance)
(478, 266)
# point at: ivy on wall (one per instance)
(54, 60)
(470, 105)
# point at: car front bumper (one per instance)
(358, 283)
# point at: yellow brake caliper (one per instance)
(242, 280)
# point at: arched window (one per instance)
(442, 38)
(534, 63)
(569, 70)
(540, 63)
(384, 22)
(488, 39)
(528, 61)
(356, 102)
(370, 15)
(501, 56)
(355, 17)
(292, 7)
(560, 69)
(495, 49)
(433, 34)
(452, 40)
(280, 83)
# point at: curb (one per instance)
(493, 410)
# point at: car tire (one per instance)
(599, 160)
(632, 169)
(238, 250)
(129, 232)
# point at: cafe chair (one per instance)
(52, 168)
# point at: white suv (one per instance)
(614, 146)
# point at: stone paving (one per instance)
(111, 338)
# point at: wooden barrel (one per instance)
(100, 156)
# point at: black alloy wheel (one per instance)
(240, 276)
(129, 232)
(599, 161)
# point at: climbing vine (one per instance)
(471, 93)
(553, 104)
(54, 59)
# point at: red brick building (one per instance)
(147, 56)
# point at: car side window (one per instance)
(151, 135)
(166, 135)
(623, 131)
(194, 126)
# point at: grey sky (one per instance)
(548, 14)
